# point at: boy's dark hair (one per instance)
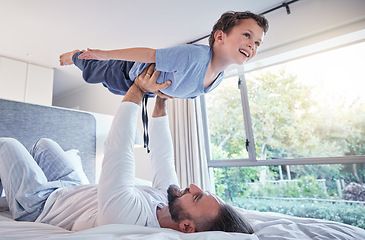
(228, 220)
(230, 19)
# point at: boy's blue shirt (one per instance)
(185, 66)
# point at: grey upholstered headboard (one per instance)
(69, 128)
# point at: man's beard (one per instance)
(176, 211)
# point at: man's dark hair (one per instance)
(230, 19)
(228, 220)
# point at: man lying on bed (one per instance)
(44, 186)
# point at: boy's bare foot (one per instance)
(66, 58)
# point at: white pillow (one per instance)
(75, 160)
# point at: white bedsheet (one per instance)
(267, 226)
(10, 229)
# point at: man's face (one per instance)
(191, 203)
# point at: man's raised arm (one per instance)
(162, 151)
(116, 183)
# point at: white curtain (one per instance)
(187, 135)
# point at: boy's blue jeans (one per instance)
(113, 74)
(28, 178)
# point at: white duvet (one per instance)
(266, 226)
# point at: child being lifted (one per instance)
(193, 69)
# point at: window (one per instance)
(311, 107)
(227, 131)
(293, 134)
(318, 191)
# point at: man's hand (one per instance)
(147, 82)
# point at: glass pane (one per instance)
(225, 121)
(332, 192)
(310, 107)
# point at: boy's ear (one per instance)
(187, 226)
(218, 36)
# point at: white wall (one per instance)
(103, 104)
(91, 98)
(25, 82)
(103, 123)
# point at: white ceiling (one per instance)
(38, 31)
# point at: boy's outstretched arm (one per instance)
(144, 55)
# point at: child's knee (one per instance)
(9, 142)
(43, 143)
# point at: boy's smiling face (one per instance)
(242, 42)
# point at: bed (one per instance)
(75, 132)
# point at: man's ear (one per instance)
(187, 226)
(219, 36)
